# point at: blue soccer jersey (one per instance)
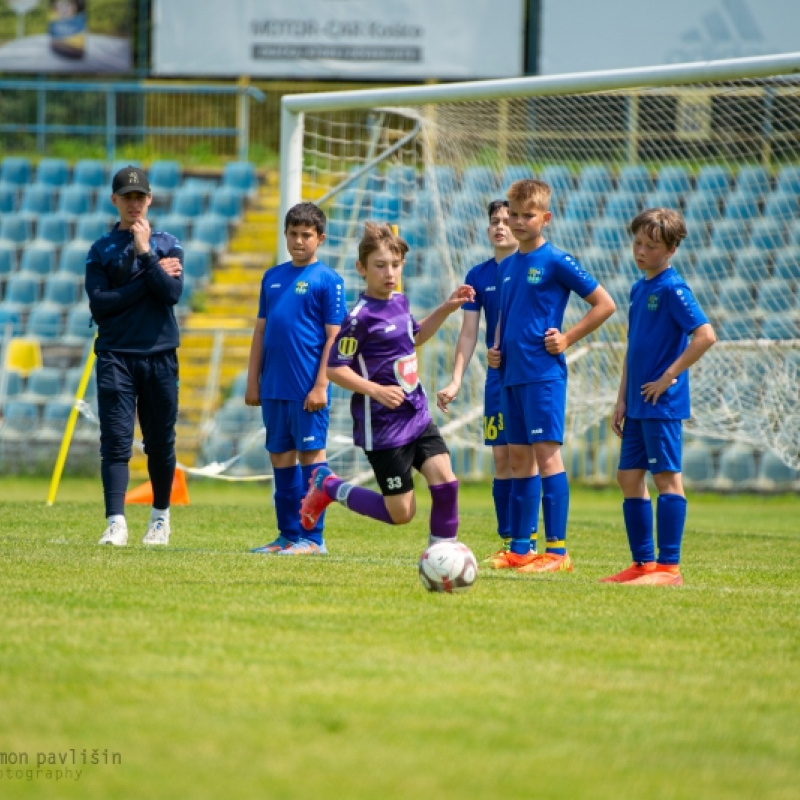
(536, 288)
(483, 278)
(297, 303)
(663, 312)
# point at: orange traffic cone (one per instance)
(143, 495)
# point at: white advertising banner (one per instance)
(619, 34)
(342, 39)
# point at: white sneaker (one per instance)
(116, 533)
(158, 532)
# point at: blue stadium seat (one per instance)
(781, 325)
(350, 201)
(104, 206)
(737, 466)
(714, 180)
(15, 383)
(38, 258)
(16, 228)
(754, 181)
(458, 233)
(626, 266)
(241, 176)
(165, 176)
(22, 289)
(729, 235)
(197, 263)
(466, 207)
(782, 206)
(774, 473)
(445, 179)
(37, 199)
(20, 417)
(736, 328)
(79, 326)
(704, 292)
(211, 230)
(697, 237)
(698, 463)
(752, 264)
(415, 232)
(8, 258)
(335, 233)
(227, 203)
(610, 235)
(480, 180)
(423, 292)
(42, 384)
(52, 172)
(75, 200)
(176, 224)
(675, 180)
(385, 207)
(767, 234)
(62, 289)
(571, 235)
(55, 229)
(788, 180)
(11, 315)
(622, 207)
(702, 206)
(188, 202)
(401, 179)
(16, 170)
(514, 172)
(741, 206)
(9, 197)
(595, 178)
(559, 178)
(90, 227)
(635, 178)
(601, 264)
(72, 379)
(582, 206)
(72, 260)
(735, 295)
(90, 173)
(787, 264)
(661, 198)
(712, 263)
(775, 295)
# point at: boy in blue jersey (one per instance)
(484, 280)
(536, 284)
(375, 358)
(654, 398)
(300, 309)
(134, 279)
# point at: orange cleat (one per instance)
(548, 562)
(662, 575)
(505, 559)
(634, 571)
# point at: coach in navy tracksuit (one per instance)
(134, 278)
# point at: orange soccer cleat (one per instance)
(548, 562)
(662, 575)
(505, 559)
(635, 570)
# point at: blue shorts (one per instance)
(534, 412)
(494, 430)
(653, 444)
(290, 427)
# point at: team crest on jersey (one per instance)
(405, 370)
(301, 287)
(652, 302)
(534, 275)
(347, 346)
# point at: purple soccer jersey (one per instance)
(377, 342)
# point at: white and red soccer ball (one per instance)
(448, 567)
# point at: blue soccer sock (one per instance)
(670, 519)
(288, 494)
(115, 483)
(638, 515)
(501, 494)
(555, 510)
(524, 511)
(537, 490)
(315, 534)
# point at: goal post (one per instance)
(718, 140)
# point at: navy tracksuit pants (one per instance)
(128, 383)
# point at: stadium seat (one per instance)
(15, 170)
(16, 228)
(104, 206)
(754, 181)
(19, 419)
(62, 289)
(712, 263)
(787, 264)
(781, 325)
(79, 327)
(255, 461)
(622, 207)
(600, 263)
(635, 178)
(42, 384)
(781, 206)
(735, 295)
(741, 206)
(75, 200)
(514, 172)
(697, 237)
(729, 235)
(187, 202)
(54, 229)
(72, 379)
(8, 259)
(11, 319)
(423, 292)
(197, 263)
(9, 196)
(465, 207)
(45, 322)
(737, 466)
(353, 201)
(37, 199)
(702, 206)
(775, 474)
(90, 227)
(22, 289)
(609, 235)
(582, 206)
(211, 230)
(752, 264)
(736, 328)
(571, 235)
(165, 177)
(240, 176)
(401, 179)
(620, 290)
(767, 234)
(714, 180)
(560, 180)
(415, 232)
(704, 292)
(445, 179)
(90, 173)
(479, 180)
(14, 384)
(788, 180)
(38, 258)
(72, 260)
(662, 198)
(595, 178)
(458, 233)
(675, 180)
(775, 295)
(176, 224)
(226, 202)
(698, 464)
(385, 207)
(52, 172)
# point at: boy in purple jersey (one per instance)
(484, 279)
(300, 309)
(375, 358)
(537, 281)
(653, 399)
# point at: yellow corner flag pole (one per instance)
(68, 431)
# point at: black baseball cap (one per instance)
(130, 179)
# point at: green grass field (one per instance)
(209, 672)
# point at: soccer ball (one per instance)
(448, 567)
